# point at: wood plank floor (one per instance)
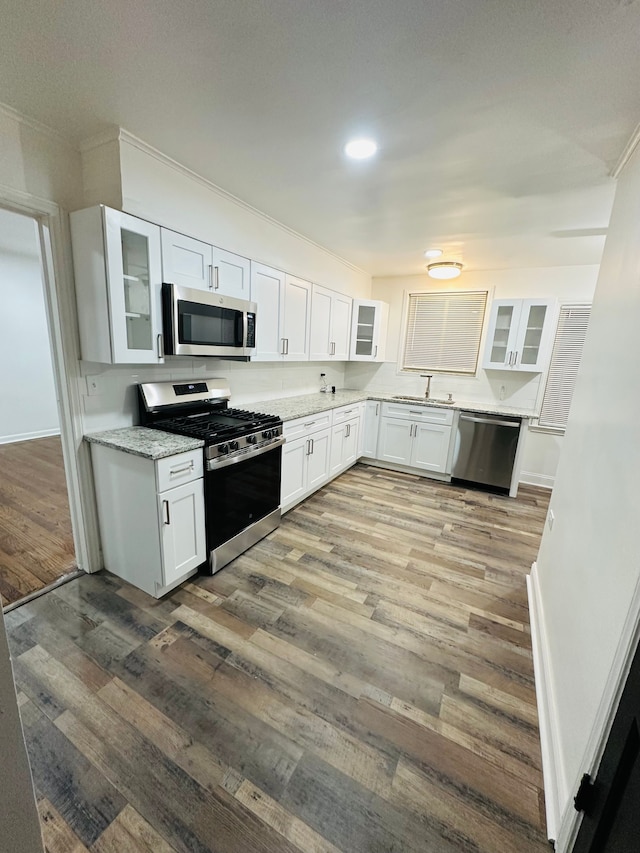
(36, 542)
(359, 681)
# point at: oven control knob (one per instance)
(267, 433)
(276, 432)
(251, 439)
(233, 445)
(223, 448)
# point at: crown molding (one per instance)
(38, 126)
(124, 136)
(629, 148)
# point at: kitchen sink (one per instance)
(423, 399)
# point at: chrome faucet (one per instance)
(427, 391)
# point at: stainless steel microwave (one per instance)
(196, 322)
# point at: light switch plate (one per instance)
(94, 385)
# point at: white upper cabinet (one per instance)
(192, 263)
(330, 325)
(520, 334)
(231, 274)
(369, 330)
(283, 314)
(185, 261)
(118, 275)
(296, 319)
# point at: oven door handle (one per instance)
(214, 464)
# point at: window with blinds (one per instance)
(443, 331)
(563, 368)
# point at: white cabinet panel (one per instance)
(520, 334)
(418, 437)
(330, 325)
(153, 539)
(369, 330)
(267, 291)
(430, 447)
(118, 274)
(231, 274)
(395, 441)
(185, 261)
(181, 512)
(296, 319)
(294, 481)
(318, 459)
(370, 429)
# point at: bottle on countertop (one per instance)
(323, 383)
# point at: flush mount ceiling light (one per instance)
(432, 253)
(360, 149)
(444, 269)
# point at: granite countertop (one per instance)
(289, 408)
(156, 444)
(141, 441)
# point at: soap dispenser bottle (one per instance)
(323, 383)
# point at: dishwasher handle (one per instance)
(496, 421)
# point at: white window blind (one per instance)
(443, 331)
(563, 368)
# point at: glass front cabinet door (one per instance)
(520, 334)
(368, 330)
(118, 272)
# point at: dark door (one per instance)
(611, 823)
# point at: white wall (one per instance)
(154, 187)
(522, 390)
(35, 163)
(588, 568)
(27, 389)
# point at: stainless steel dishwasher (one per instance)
(485, 449)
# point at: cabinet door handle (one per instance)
(509, 354)
(286, 344)
(160, 346)
(311, 443)
(216, 278)
(375, 351)
(183, 470)
(377, 406)
(165, 510)
(410, 430)
(308, 450)
(348, 432)
(210, 276)
(282, 351)
(515, 358)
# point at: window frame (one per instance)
(412, 371)
(540, 425)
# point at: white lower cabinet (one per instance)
(344, 445)
(305, 466)
(418, 438)
(370, 429)
(151, 516)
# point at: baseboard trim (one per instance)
(28, 436)
(529, 478)
(554, 786)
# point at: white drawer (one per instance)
(346, 413)
(305, 426)
(181, 468)
(418, 413)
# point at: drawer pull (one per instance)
(310, 423)
(185, 468)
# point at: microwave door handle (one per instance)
(245, 327)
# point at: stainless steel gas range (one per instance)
(242, 460)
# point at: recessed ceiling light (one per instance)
(444, 269)
(360, 149)
(433, 253)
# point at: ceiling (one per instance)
(498, 121)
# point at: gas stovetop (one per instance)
(199, 409)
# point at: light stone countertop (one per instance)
(289, 408)
(142, 441)
(156, 444)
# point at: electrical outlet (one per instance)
(93, 385)
(550, 519)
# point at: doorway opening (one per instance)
(36, 536)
